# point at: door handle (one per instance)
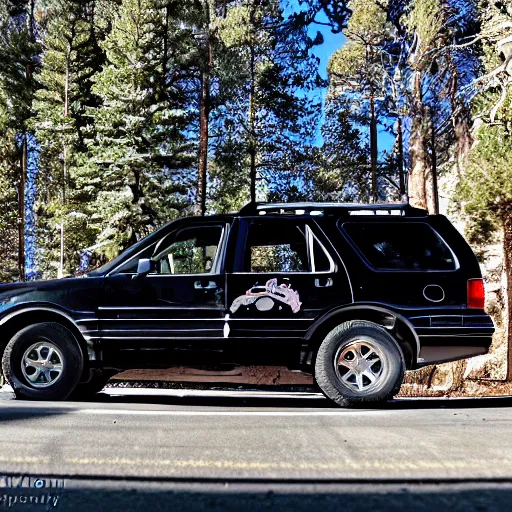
(212, 285)
(328, 282)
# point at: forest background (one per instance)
(117, 116)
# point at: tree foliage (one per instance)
(271, 109)
(140, 157)
(118, 116)
(485, 189)
(61, 123)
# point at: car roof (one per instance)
(319, 209)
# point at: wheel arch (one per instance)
(17, 320)
(401, 329)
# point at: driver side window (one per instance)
(189, 251)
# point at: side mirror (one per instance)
(144, 267)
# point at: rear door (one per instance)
(283, 277)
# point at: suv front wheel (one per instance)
(359, 362)
(43, 362)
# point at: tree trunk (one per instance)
(252, 134)
(373, 146)
(21, 208)
(463, 138)
(401, 170)
(24, 159)
(417, 189)
(418, 149)
(31, 20)
(461, 120)
(506, 216)
(204, 113)
(203, 140)
(431, 177)
(60, 272)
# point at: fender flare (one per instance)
(26, 308)
(344, 309)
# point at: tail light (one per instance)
(476, 294)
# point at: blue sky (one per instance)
(324, 51)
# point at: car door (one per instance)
(284, 276)
(176, 311)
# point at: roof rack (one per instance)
(319, 209)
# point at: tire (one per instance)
(371, 364)
(87, 390)
(56, 357)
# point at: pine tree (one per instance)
(343, 174)
(140, 158)
(403, 66)
(71, 57)
(8, 204)
(19, 61)
(271, 109)
(439, 69)
(203, 18)
(356, 70)
(426, 21)
(485, 189)
(217, 68)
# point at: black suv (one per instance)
(349, 296)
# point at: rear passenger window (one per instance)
(401, 246)
(276, 247)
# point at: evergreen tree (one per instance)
(203, 19)
(8, 205)
(403, 66)
(426, 22)
(485, 192)
(271, 110)
(71, 57)
(438, 70)
(343, 172)
(140, 158)
(19, 61)
(356, 70)
(485, 189)
(216, 71)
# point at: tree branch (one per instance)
(500, 102)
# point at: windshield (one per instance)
(128, 253)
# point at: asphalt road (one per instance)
(291, 449)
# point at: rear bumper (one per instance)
(445, 338)
(444, 349)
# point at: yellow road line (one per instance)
(305, 465)
(25, 460)
(174, 465)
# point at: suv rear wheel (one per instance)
(43, 362)
(359, 362)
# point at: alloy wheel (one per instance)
(359, 365)
(42, 364)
